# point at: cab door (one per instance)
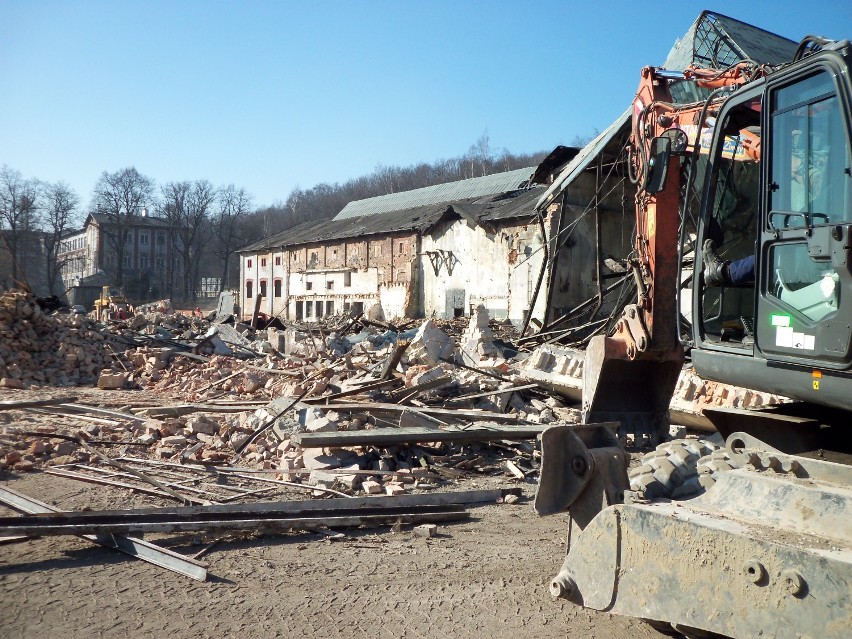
(804, 312)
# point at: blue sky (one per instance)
(274, 95)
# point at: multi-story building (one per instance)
(149, 263)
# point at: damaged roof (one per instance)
(519, 203)
(713, 40)
(439, 193)
(717, 42)
(582, 160)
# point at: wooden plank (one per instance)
(257, 302)
(118, 484)
(457, 414)
(338, 505)
(414, 434)
(396, 355)
(284, 523)
(499, 391)
(36, 403)
(324, 399)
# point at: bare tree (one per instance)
(18, 216)
(121, 196)
(59, 215)
(186, 206)
(230, 226)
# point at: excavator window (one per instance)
(728, 311)
(810, 181)
(809, 189)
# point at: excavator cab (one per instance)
(765, 550)
(786, 215)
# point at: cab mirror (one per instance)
(658, 164)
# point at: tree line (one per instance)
(208, 224)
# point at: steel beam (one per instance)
(139, 548)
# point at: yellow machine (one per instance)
(110, 303)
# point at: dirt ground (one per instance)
(485, 577)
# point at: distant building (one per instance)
(440, 250)
(149, 262)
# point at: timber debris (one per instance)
(349, 409)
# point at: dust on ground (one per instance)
(485, 577)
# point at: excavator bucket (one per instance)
(635, 393)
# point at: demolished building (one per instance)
(437, 251)
(546, 245)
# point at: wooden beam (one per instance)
(394, 436)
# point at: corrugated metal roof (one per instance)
(363, 225)
(505, 206)
(717, 41)
(439, 193)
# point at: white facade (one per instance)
(497, 266)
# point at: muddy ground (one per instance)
(485, 577)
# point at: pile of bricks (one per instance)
(40, 349)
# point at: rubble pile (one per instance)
(305, 401)
(56, 350)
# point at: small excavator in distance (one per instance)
(766, 250)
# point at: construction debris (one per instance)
(348, 408)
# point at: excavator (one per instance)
(765, 248)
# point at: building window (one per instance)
(318, 309)
(263, 288)
(143, 237)
(263, 261)
(309, 286)
(401, 248)
(295, 257)
(143, 261)
(249, 264)
(161, 237)
(329, 307)
(159, 263)
(126, 259)
(334, 253)
(277, 260)
(249, 290)
(329, 285)
(276, 287)
(347, 278)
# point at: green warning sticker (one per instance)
(780, 320)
